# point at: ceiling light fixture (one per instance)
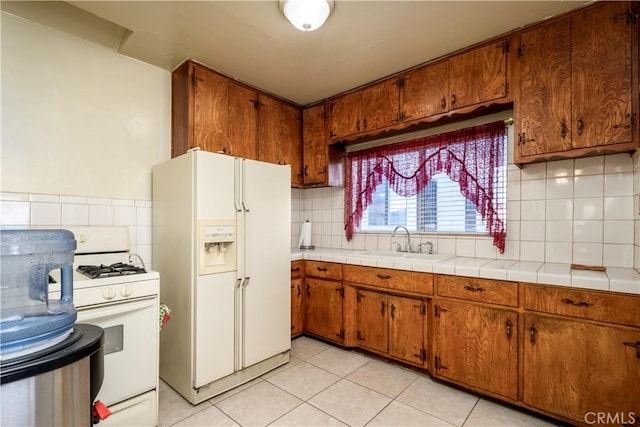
(306, 15)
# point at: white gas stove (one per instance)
(123, 299)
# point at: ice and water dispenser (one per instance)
(217, 246)
(28, 318)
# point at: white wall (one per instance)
(79, 119)
(583, 211)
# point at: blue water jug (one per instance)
(28, 318)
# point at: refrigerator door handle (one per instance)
(237, 206)
(245, 206)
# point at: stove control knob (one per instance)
(109, 293)
(126, 291)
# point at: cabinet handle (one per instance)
(576, 303)
(533, 334)
(508, 326)
(295, 269)
(321, 268)
(365, 123)
(453, 99)
(382, 305)
(308, 293)
(474, 288)
(563, 129)
(358, 125)
(306, 170)
(298, 291)
(393, 311)
(636, 345)
(383, 276)
(443, 103)
(580, 125)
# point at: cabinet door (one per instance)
(346, 112)
(572, 368)
(424, 91)
(314, 142)
(543, 106)
(210, 115)
(406, 329)
(243, 122)
(478, 75)
(270, 144)
(323, 309)
(477, 346)
(292, 142)
(601, 64)
(380, 105)
(371, 318)
(297, 307)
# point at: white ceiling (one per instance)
(362, 41)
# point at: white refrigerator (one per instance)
(221, 242)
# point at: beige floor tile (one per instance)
(382, 377)
(306, 415)
(174, 408)
(258, 405)
(209, 417)
(399, 414)
(293, 361)
(234, 391)
(305, 347)
(304, 380)
(340, 362)
(444, 402)
(492, 414)
(350, 403)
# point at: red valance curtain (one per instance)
(470, 157)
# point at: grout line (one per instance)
(471, 411)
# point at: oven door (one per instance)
(130, 348)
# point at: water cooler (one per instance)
(51, 369)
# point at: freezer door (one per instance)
(266, 190)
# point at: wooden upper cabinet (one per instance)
(380, 104)
(543, 105)
(601, 64)
(346, 115)
(270, 130)
(243, 121)
(314, 140)
(424, 92)
(575, 77)
(478, 75)
(292, 142)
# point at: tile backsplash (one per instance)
(20, 210)
(583, 211)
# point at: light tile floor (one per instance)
(324, 385)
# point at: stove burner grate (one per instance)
(117, 269)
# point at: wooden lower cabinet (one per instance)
(575, 369)
(392, 325)
(323, 309)
(476, 346)
(297, 307)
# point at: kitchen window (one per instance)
(449, 183)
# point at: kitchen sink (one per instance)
(395, 254)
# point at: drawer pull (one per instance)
(576, 303)
(322, 268)
(508, 326)
(533, 334)
(636, 345)
(383, 276)
(474, 288)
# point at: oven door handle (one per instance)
(93, 312)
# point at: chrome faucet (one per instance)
(408, 246)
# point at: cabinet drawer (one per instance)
(387, 278)
(296, 269)
(475, 289)
(594, 305)
(325, 270)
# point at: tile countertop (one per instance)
(614, 279)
